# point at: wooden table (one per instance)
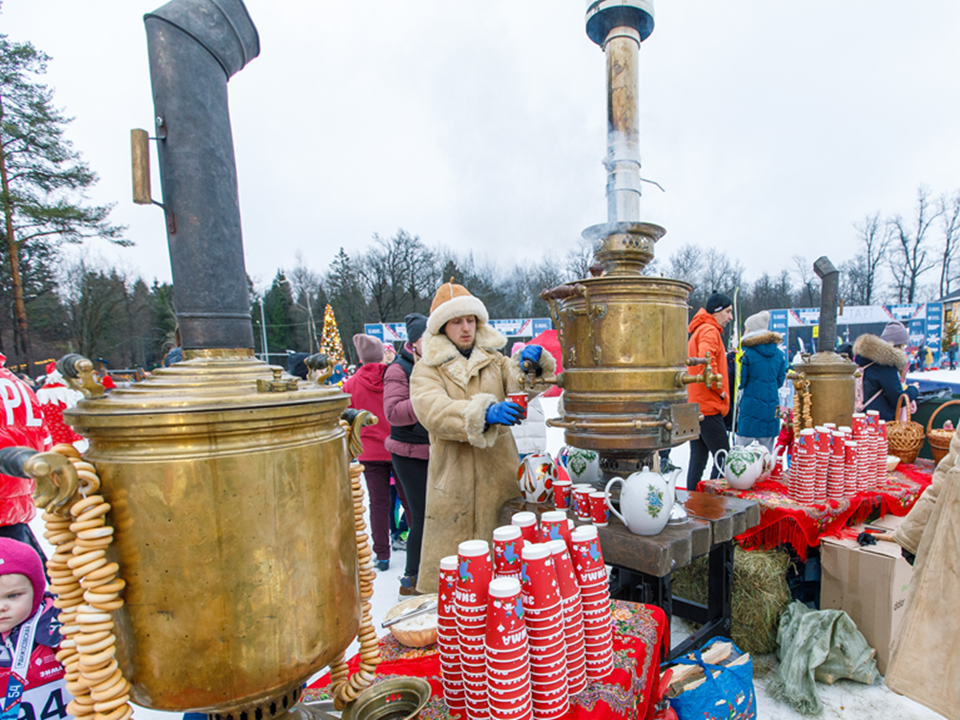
(643, 564)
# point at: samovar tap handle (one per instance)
(320, 363)
(707, 377)
(55, 478)
(353, 421)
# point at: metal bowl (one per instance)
(400, 698)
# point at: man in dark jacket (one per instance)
(763, 370)
(884, 364)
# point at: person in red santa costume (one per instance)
(55, 397)
(21, 424)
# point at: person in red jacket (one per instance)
(21, 423)
(366, 389)
(706, 335)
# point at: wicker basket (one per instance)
(904, 438)
(939, 438)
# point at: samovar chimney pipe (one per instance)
(829, 290)
(195, 47)
(619, 27)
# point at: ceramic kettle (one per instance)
(646, 499)
(744, 465)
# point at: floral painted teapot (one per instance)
(583, 466)
(646, 500)
(536, 475)
(745, 465)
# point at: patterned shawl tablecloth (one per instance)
(637, 643)
(801, 525)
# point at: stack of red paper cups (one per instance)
(859, 424)
(868, 478)
(824, 445)
(527, 522)
(507, 544)
(451, 673)
(581, 500)
(884, 451)
(543, 613)
(595, 598)
(508, 661)
(835, 474)
(474, 572)
(572, 616)
(851, 463)
(803, 468)
(554, 526)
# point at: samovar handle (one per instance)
(55, 478)
(354, 420)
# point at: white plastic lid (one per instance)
(873, 412)
(807, 431)
(473, 548)
(557, 546)
(822, 428)
(883, 422)
(504, 587)
(448, 563)
(523, 519)
(837, 433)
(535, 551)
(845, 429)
(507, 532)
(553, 516)
(859, 415)
(584, 533)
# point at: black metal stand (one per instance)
(714, 617)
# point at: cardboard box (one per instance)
(869, 584)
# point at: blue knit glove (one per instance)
(530, 356)
(504, 413)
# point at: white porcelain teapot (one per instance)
(646, 499)
(744, 465)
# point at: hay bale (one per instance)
(760, 595)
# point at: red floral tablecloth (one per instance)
(637, 644)
(801, 525)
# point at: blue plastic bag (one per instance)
(729, 696)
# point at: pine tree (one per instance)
(42, 178)
(330, 345)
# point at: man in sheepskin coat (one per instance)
(763, 370)
(458, 391)
(884, 363)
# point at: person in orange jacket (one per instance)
(706, 335)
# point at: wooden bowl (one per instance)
(417, 636)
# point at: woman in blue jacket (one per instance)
(763, 370)
(884, 363)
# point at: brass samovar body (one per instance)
(233, 530)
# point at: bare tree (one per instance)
(874, 242)
(400, 275)
(809, 286)
(949, 206)
(911, 259)
(578, 260)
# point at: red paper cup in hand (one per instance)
(561, 494)
(527, 522)
(521, 400)
(553, 526)
(538, 579)
(599, 512)
(474, 572)
(505, 628)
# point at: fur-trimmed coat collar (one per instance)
(880, 351)
(439, 350)
(761, 337)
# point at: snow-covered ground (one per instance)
(845, 699)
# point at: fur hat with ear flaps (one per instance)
(453, 301)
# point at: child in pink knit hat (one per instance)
(32, 682)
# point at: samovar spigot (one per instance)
(708, 377)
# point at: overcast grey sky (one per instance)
(772, 125)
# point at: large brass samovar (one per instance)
(229, 483)
(623, 334)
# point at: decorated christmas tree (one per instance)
(330, 345)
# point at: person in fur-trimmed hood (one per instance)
(763, 370)
(883, 363)
(458, 391)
